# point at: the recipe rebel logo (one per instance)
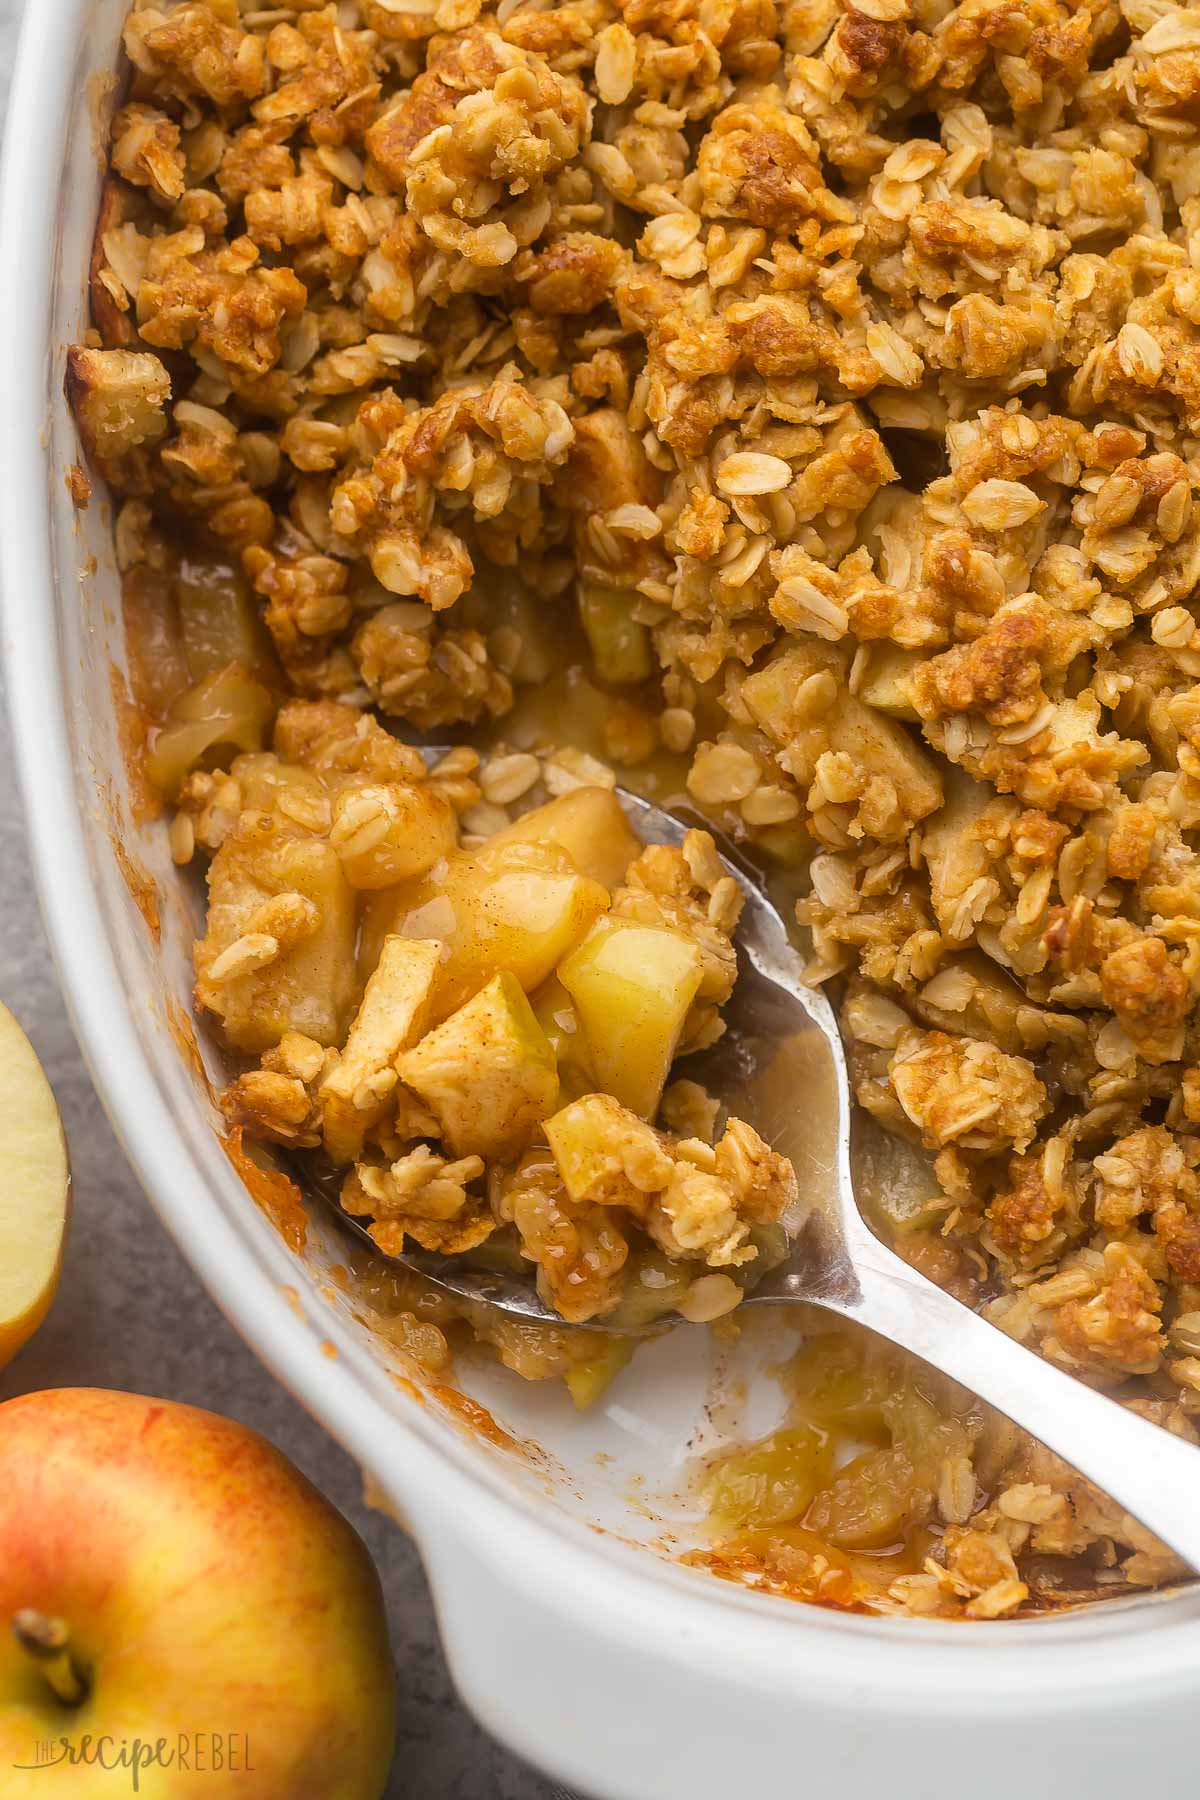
(188, 1752)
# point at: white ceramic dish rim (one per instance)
(611, 1597)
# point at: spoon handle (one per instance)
(1149, 1471)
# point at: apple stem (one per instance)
(48, 1642)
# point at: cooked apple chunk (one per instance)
(874, 741)
(587, 1380)
(606, 1155)
(885, 684)
(389, 831)
(686, 889)
(268, 784)
(620, 645)
(589, 823)
(518, 907)
(278, 953)
(395, 1009)
(554, 1010)
(632, 986)
(487, 1074)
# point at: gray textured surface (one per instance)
(131, 1315)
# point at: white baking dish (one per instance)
(589, 1650)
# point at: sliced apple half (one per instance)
(34, 1190)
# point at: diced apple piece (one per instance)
(955, 848)
(775, 697)
(877, 743)
(973, 996)
(589, 823)
(774, 693)
(34, 1190)
(521, 910)
(620, 644)
(587, 1380)
(632, 986)
(655, 1285)
(268, 784)
(220, 618)
(309, 985)
(487, 1074)
(885, 684)
(596, 1143)
(390, 831)
(393, 1015)
(895, 1181)
(226, 710)
(772, 1482)
(554, 1010)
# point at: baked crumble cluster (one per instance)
(823, 381)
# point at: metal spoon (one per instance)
(782, 1059)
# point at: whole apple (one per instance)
(181, 1613)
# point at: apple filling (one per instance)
(495, 1069)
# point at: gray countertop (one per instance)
(130, 1314)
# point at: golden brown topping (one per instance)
(1150, 995)
(197, 50)
(962, 1091)
(1119, 1327)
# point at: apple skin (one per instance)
(209, 1589)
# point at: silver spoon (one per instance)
(784, 1057)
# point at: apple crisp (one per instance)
(790, 403)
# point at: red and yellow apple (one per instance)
(34, 1190)
(211, 1601)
